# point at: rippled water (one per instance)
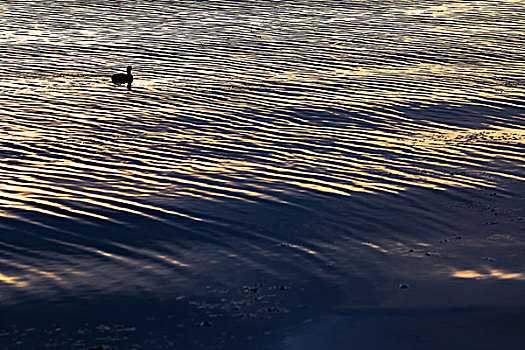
(303, 143)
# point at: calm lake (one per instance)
(282, 175)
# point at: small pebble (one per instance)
(403, 286)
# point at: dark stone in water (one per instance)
(403, 286)
(205, 324)
(251, 289)
(271, 309)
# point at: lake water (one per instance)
(278, 169)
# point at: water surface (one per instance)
(320, 152)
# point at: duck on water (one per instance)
(121, 78)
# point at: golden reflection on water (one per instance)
(490, 273)
(172, 261)
(13, 280)
(30, 273)
(375, 246)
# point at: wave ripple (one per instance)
(241, 113)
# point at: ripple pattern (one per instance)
(239, 111)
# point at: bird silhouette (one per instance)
(121, 78)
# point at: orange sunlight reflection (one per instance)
(13, 281)
(491, 273)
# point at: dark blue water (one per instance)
(279, 169)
